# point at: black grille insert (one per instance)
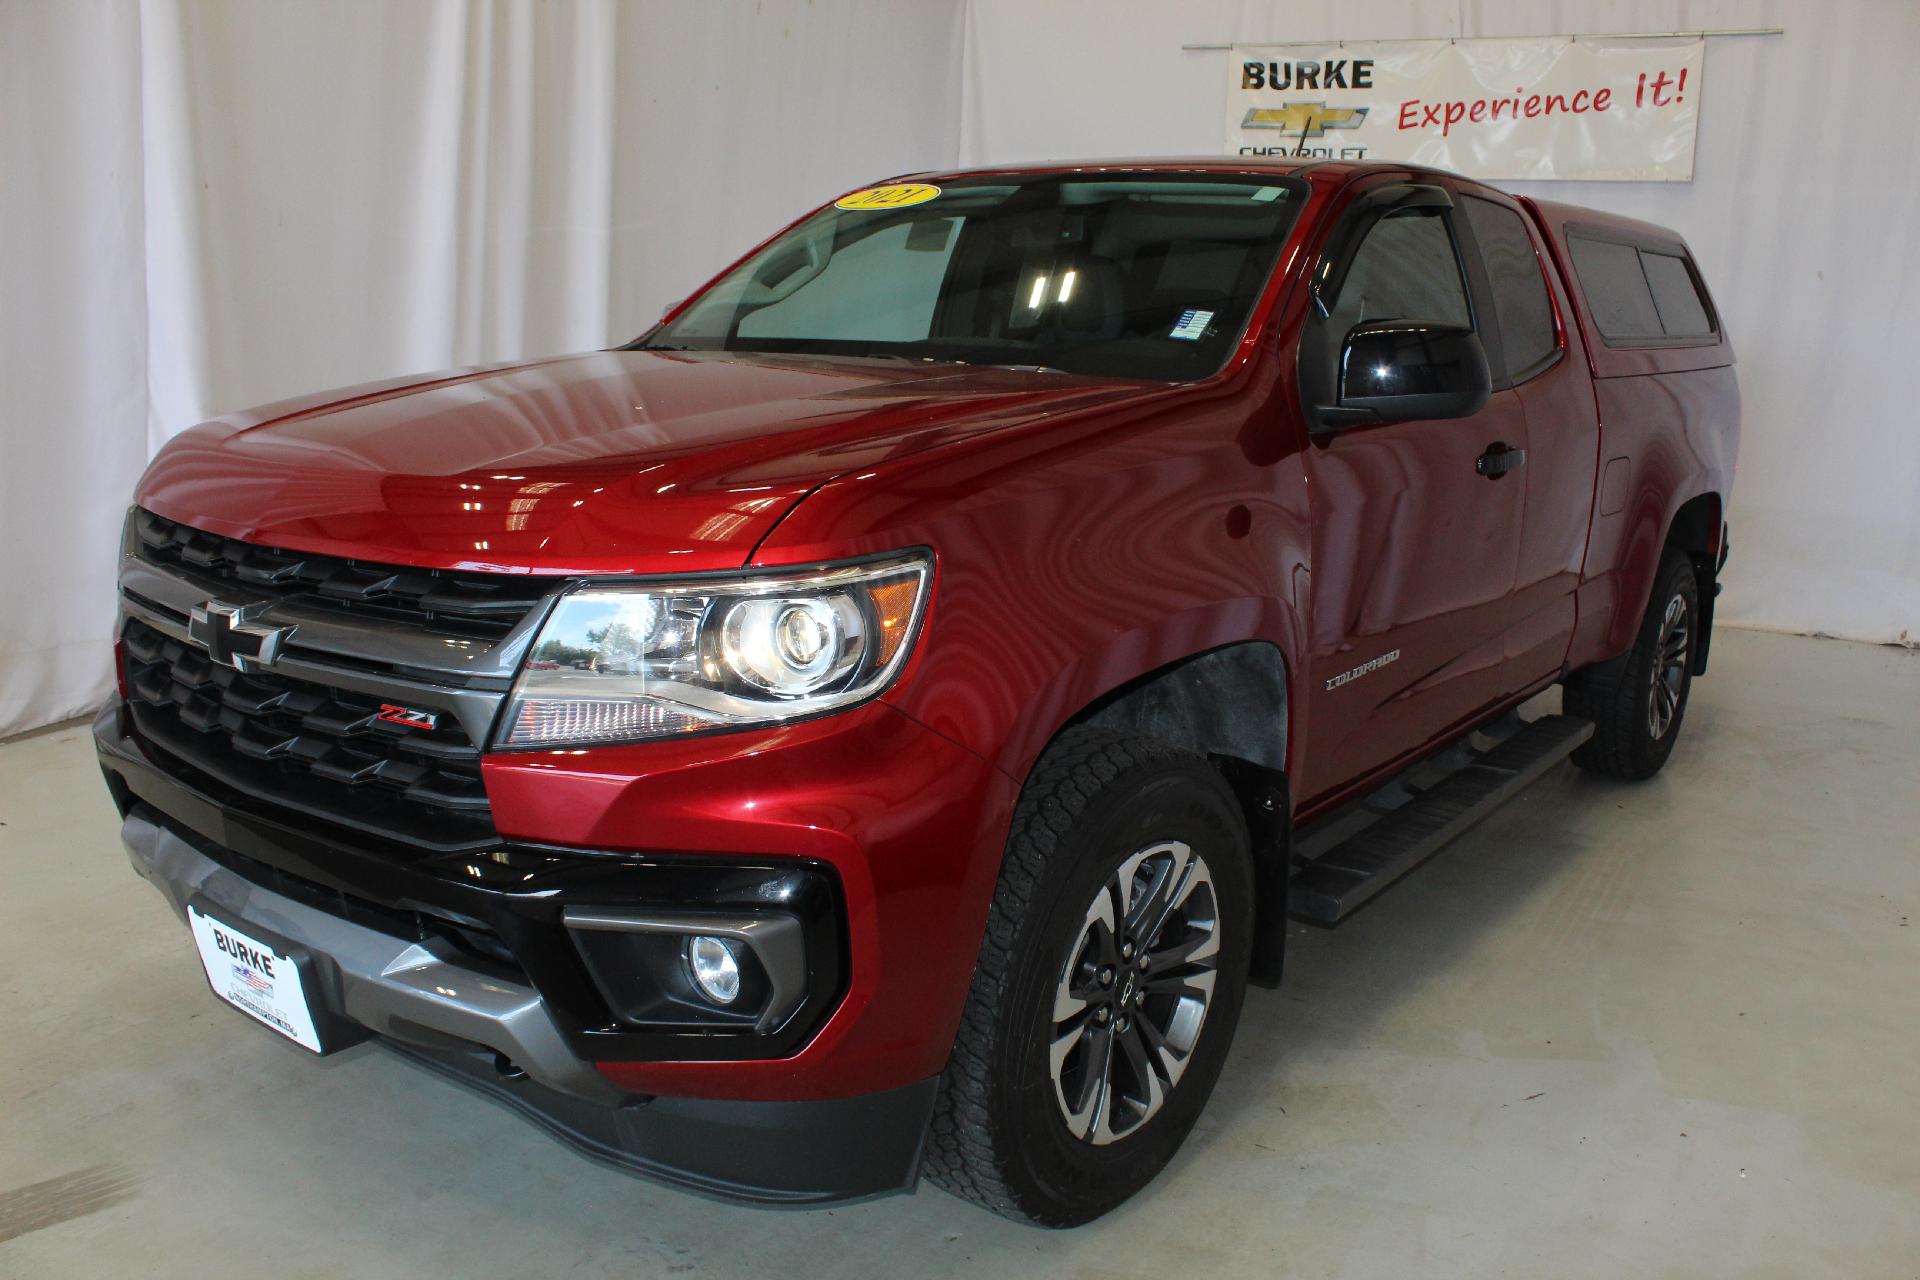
(472, 941)
(320, 750)
(444, 601)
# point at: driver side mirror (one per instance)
(1400, 371)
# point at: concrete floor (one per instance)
(1657, 1030)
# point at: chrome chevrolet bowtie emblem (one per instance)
(1308, 119)
(232, 639)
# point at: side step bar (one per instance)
(1342, 861)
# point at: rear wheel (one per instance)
(1638, 700)
(1109, 982)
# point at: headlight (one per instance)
(655, 660)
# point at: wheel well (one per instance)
(1696, 527)
(1229, 705)
(1229, 702)
(1698, 530)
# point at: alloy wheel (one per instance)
(1130, 1002)
(1669, 668)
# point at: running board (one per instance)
(1342, 861)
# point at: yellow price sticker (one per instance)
(897, 196)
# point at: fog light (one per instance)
(715, 969)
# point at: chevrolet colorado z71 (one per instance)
(878, 723)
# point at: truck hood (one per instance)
(610, 462)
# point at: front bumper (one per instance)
(497, 1036)
(903, 822)
(389, 985)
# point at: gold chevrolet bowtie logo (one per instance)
(1308, 119)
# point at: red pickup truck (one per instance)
(879, 722)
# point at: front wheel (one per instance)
(1109, 982)
(1637, 701)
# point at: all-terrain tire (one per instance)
(1624, 697)
(1001, 1136)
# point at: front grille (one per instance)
(444, 601)
(320, 750)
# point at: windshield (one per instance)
(1131, 276)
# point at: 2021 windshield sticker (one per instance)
(898, 195)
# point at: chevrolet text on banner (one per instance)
(1554, 107)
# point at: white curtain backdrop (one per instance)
(73, 377)
(1801, 212)
(210, 204)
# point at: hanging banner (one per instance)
(1595, 108)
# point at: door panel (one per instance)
(1413, 555)
(1414, 548)
(1561, 466)
(1548, 367)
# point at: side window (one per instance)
(1642, 296)
(1520, 298)
(1676, 296)
(1405, 269)
(1616, 288)
(870, 289)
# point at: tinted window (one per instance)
(1405, 269)
(1682, 313)
(881, 289)
(1132, 276)
(1616, 288)
(1520, 296)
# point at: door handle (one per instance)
(1499, 459)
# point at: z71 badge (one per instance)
(408, 716)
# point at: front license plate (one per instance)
(255, 978)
